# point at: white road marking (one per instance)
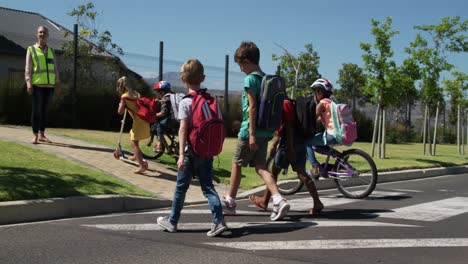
(406, 190)
(345, 244)
(235, 225)
(207, 211)
(432, 211)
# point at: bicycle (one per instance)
(353, 171)
(169, 144)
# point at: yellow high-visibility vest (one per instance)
(43, 69)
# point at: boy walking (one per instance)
(189, 163)
(252, 143)
(291, 150)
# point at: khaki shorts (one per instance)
(244, 156)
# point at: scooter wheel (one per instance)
(116, 154)
(145, 164)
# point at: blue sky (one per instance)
(210, 29)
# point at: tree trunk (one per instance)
(383, 134)
(435, 130)
(424, 130)
(458, 130)
(379, 134)
(374, 133)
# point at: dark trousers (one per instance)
(40, 100)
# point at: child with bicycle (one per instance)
(140, 128)
(323, 90)
(289, 149)
(189, 163)
(163, 89)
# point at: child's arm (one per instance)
(122, 106)
(183, 135)
(252, 119)
(319, 110)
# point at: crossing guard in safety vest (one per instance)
(41, 76)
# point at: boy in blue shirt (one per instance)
(252, 143)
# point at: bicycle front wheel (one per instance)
(356, 174)
(288, 182)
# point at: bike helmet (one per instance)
(324, 84)
(162, 86)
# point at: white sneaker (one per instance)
(217, 229)
(279, 210)
(165, 223)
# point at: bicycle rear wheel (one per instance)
(356, 174)
(288, 182)
(149, 153)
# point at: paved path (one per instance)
(159, 179)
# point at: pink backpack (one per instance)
(207, 133)
(343, 122)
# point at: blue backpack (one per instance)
(270, 102)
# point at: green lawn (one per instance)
(28, 173)
(399, 157)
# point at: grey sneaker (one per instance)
(229, 208)
(279, 210)
(217, 229)
(165, 223)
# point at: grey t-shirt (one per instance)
(185, 109)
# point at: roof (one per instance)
(20, 26)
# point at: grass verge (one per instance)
(28, 173)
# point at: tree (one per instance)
(380, 69)
(307, 64)
(352, 80)
(405, 79)
(432, 58)
(456, 89)
(92, 44)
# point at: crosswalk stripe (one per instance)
(207, 211)
(432, 211)
(236, 225)
(344, 244)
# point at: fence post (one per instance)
(161, 54)
(226, 88)
(75, 66)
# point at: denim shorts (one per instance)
(281, 159)
(244, 156)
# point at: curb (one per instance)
(390, 176)
(56, 208)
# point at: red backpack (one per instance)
(147, 108)
(207, 133)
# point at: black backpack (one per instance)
(306, 117)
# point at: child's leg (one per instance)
(235, 180)
(240, 158)
(299, 167)
(204, 168)
(262, 201)
(184, 177)
(137, 155)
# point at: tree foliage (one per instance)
(92, 44)
(352, 81)
(430, 50)
(456, 89)
(308, 62)
(379, 66)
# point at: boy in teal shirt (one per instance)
(252, 143)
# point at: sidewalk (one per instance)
(159, 180)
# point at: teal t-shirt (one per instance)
(252, 82)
